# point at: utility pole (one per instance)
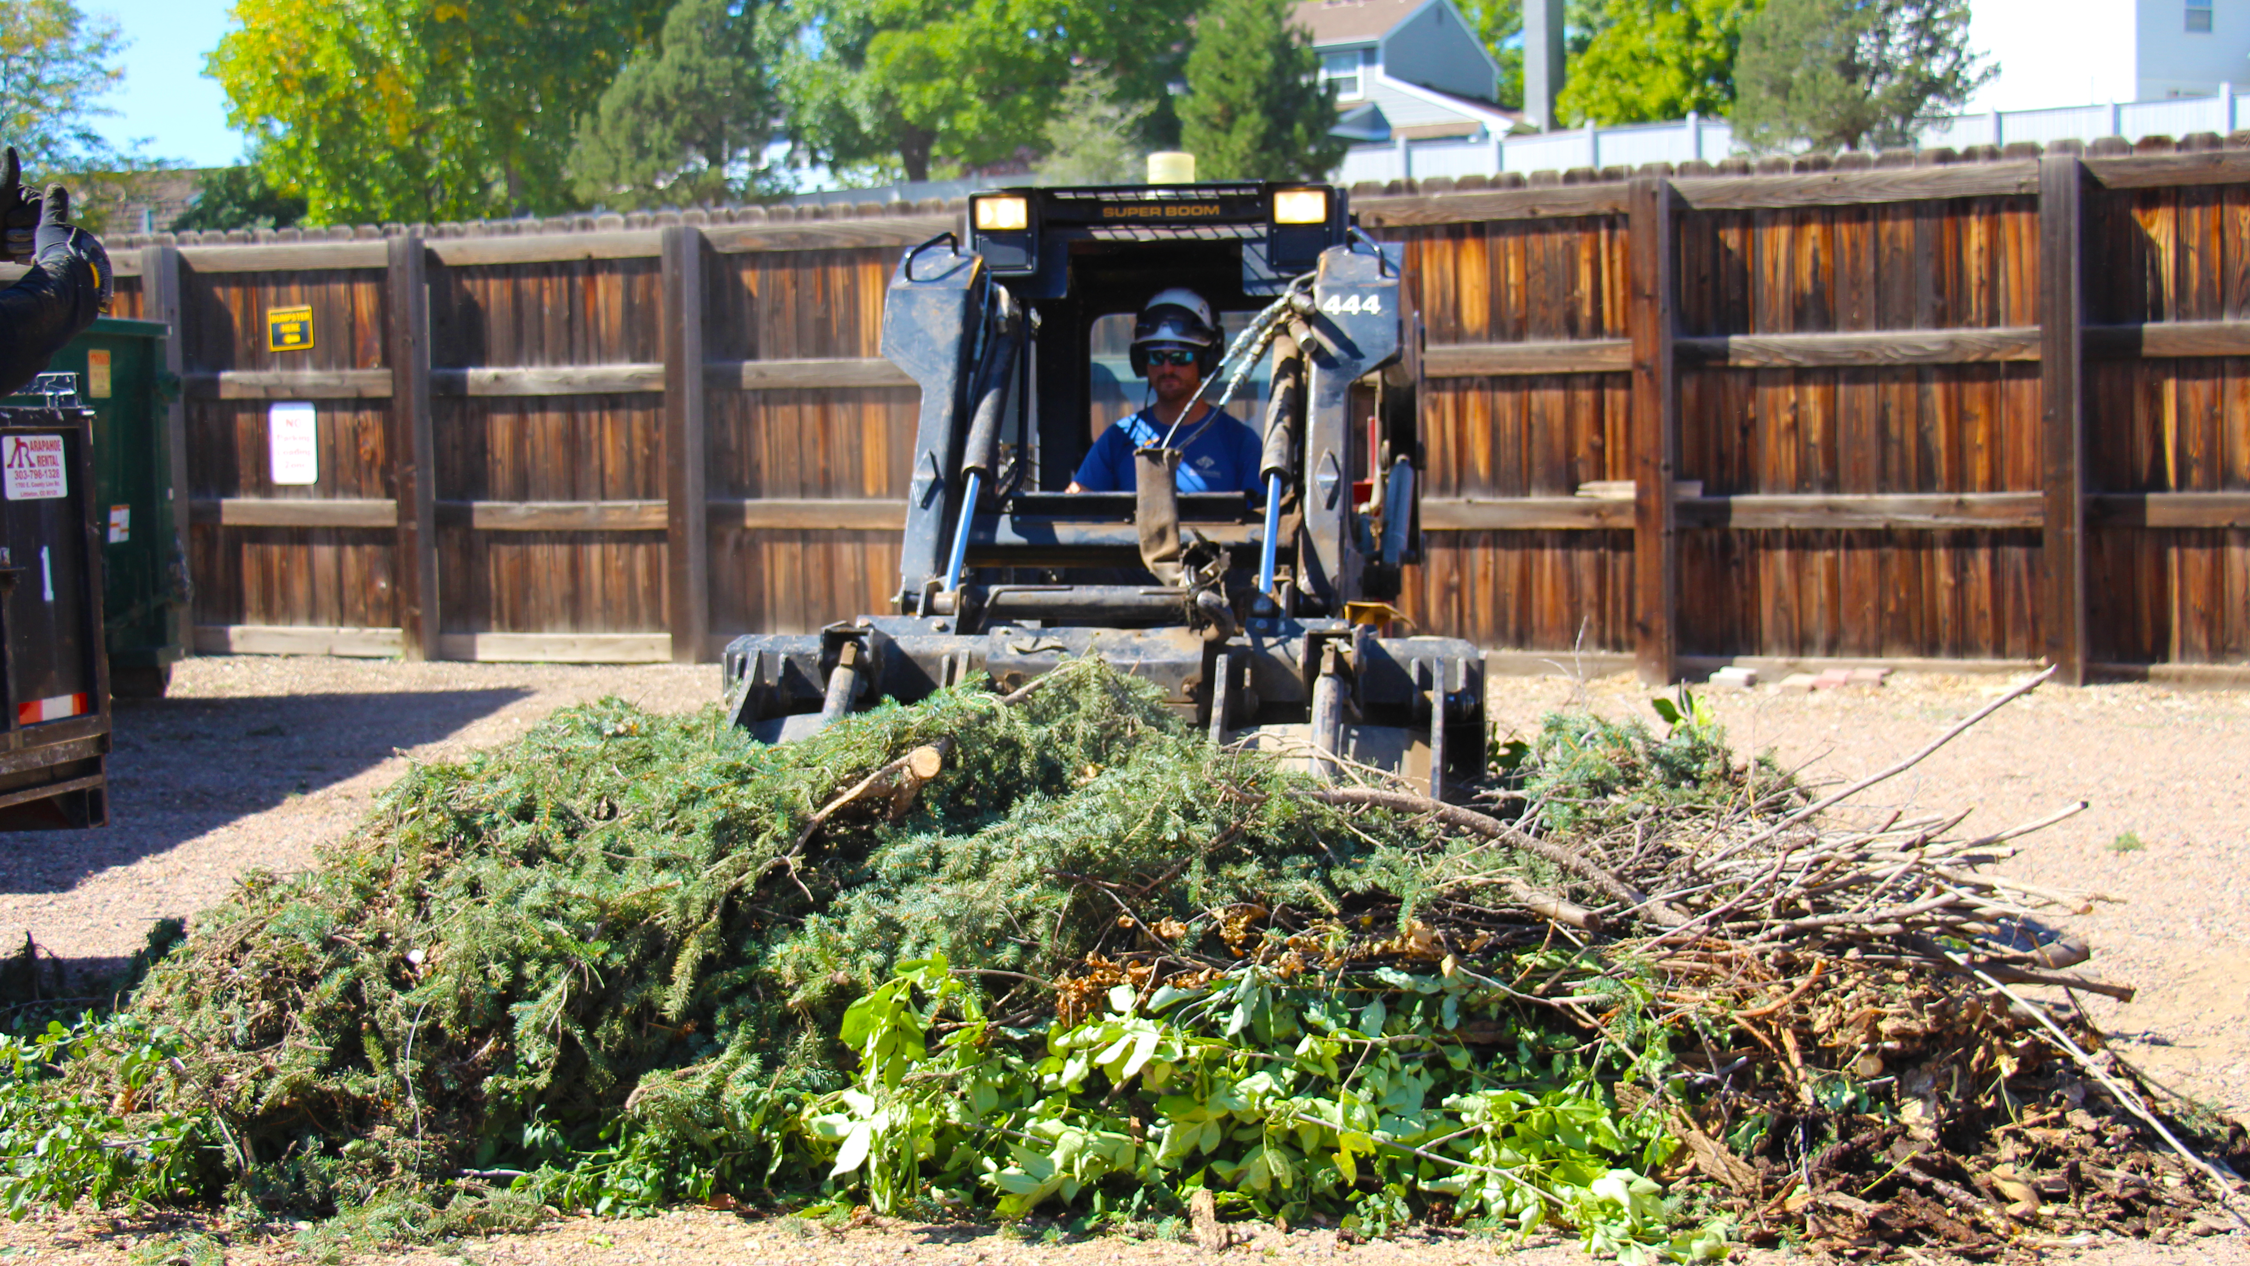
(1542, 61)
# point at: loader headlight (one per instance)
(1001, 215)
(1300, 206)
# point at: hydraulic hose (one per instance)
(1282, 411)
(982, 452)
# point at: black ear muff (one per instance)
(1207, 358)
(1139, 358)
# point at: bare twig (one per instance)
(1893, 771)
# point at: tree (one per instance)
(910, 86)
(238, 198)
(1256, 108)
(55, 63)
(1654, 60)
(689, 118)
(418, 110)
(1094, 138)
(1851, 74)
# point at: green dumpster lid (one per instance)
(128, 326)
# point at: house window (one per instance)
(2199, 17)
(1342, 70)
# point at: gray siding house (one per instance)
(1405, 70)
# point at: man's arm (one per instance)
(68, 286)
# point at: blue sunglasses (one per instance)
(1171, 356)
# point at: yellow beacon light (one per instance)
(1300, 206)
(1002, 215)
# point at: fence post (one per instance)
(686, 532)
(161, 300)
(2062, 412)
(413, 448)
(1655, 432)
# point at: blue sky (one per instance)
(165, 97)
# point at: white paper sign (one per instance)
(293, 442)
(120, 524)
(31, 467)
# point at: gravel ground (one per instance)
(255, 762)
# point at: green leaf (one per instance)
(853, 1154)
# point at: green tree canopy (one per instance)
(689, 118)
(1850, 74)
(55, 64)
(911, 86)
(1255, 107)
(376, 110)
(1653, 60)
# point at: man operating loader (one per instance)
(67, 287)
(1175, 346)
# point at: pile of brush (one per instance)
(1050, 952)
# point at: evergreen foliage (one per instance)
(1655, 60)
(1591, 774)
(238, 198)
(1852, 74)
(688, 120)
(1095, 137)
(1256, 108)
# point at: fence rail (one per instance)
(1907, 408)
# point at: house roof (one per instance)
(1353, 21)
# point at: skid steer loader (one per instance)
(1257, 614)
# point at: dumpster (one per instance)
(54, 687)
(118, 367)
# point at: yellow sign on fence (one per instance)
(289, 329)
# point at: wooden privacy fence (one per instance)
(1986, 408)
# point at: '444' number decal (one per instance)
(1353, 305)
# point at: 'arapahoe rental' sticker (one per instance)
(31, 467)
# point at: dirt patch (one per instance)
(692, 1237)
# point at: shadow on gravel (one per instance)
(181, 767)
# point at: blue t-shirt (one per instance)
(1222, 457)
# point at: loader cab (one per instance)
(1085, 260)
(1017, 331)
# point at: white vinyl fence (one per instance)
(1711, 139)
(1686, 141)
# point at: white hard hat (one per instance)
(1176, 315)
